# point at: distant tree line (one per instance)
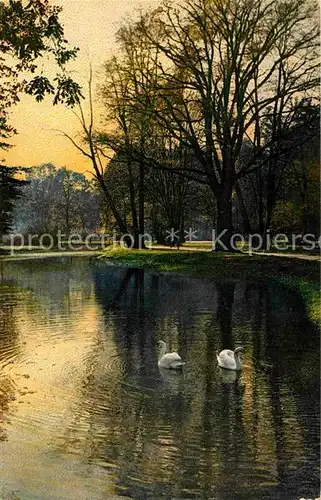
(56, 199)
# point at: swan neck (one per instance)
(162, 350)
(238, 362)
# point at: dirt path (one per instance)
(287, 255)
(206, 247)
(199, 247)
(47, 255)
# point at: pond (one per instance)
(85, 413)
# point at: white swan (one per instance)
(230, 360)
(170, 360)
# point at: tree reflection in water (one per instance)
(9, 347)
(196, 433)
(202, 433)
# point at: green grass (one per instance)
(310, 293)
(302, 275)
(219, 265)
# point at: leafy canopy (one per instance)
(28, 31)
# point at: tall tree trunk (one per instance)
(120, 222)
(270, 202)
(258, 188)
(224, 313)
(133, 206)
(245, 218)
(303, 196)
(141, 203)
(224, 220)
(67, 219)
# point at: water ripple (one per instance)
(82, 398)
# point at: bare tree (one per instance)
(221, 66)
(126, 108)
(90, 149)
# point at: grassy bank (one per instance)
(302, 275)
(218, 265)
(310, 293)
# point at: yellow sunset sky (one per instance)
(90, 25)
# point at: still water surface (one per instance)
(85, 412)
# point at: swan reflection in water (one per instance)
(229, 376)
(172, 380)
(171, 375)
(174, 377)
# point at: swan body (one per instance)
(230, 360)
(170, 360)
